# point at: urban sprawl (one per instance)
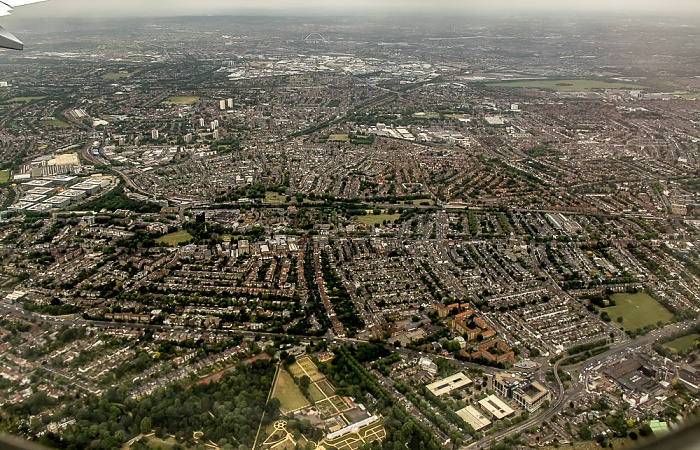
(351, 234)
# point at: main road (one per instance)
(561, 397)
(86, 153)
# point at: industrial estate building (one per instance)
(473, 417)
(496, 407)
(449, 384)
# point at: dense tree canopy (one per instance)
(231, 409)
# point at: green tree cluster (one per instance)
(233, 406)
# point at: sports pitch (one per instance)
(637, 311)
(566, 85)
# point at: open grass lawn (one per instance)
(120, 75)
(456, 116)
(274, 198)
(288, 445)
(339, 138)
(182, 100)
(371, 219)
(288, 393)
(4, 176)
(326, 387)
(112, 76)
(54, 123)
(637, 311)
(155, 443)
(682, 344)
(427, 115)
(316, 393)
(23, 99)
(566, 85)
(296, 370)
(418, 201)
(176, 238)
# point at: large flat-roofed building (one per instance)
(15, 297)
(689, 377)
(40, 183)
(38, 208)
(20, 206)
(505, 383)
(630, 374)
(352, 428)
(33, 198)
(57, 202)
(449, 384)
(39, 191)
(62, 180)
(74, 194)
(496, 407)
(91, 187)
(530, 396)
(474, 418)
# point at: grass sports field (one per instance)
(274, 198)
(288, 393)
(54, 123)
(427, 115)
(113, 76)
(683, 344)
(4, 176)
(339, 138)
(23, 99)
(371, 219)
(566, 85)
(637, 311)
(182, 100)
(174, 239)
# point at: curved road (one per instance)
(560, 398)
(87, 155)
(563, 397)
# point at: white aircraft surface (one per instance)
(7, 40)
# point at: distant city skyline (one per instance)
(125, 8)
(221, 219)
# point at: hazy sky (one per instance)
(106, 8)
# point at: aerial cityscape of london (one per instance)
(392, 227)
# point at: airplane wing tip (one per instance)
(7, 40)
